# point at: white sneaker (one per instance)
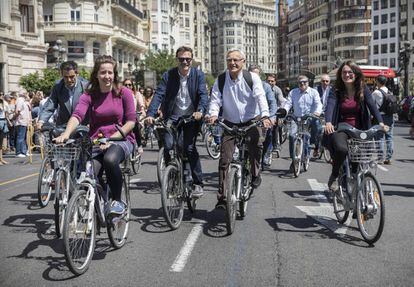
(21, 155)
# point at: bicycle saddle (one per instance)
(359, 134)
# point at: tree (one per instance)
(40, 82)
(160, 62)
(210, 80)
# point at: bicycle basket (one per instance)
(65, 153)
(366, 151)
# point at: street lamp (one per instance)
(404, 59)
(135, 72)
(59, 51)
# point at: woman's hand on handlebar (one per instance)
(210, 119)
(329, 128)
(197, 116)
(149, 120)
(62, 138)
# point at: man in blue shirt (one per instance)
(304, 101)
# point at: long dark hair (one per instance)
(359, 83)
(93, 86)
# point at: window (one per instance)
(96, 49)
(164, 27)
(392, 3)
(75, 14)
(187, 7)
(384, 4)
(375, 34)
(375, 49)
(164, 6)
(375, 5)
(392, 47)
(48, 18)
(376, 20)
(392, 17)
(27, 21)
(384, 49)
(96, 14)
(76, 49)
(384, 18)
(181, 7)
(376, 62)
(384, 34)
(384, 62)
(187, 22)
(392, 62)
(392, 32)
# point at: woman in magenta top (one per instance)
(107, 106)
(351, 103)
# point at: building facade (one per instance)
(406, 25)
(90, 28)
(247, 25)
(22, 48)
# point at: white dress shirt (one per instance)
(304, 103)
(240, 104)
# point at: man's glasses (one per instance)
(325, 81)
(234, 60)
(303, 82)
(188, 60)
(128, 85)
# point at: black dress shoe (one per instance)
(256, 181)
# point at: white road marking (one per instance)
(185, 252)
(382, 168)
(323, 212)
(135, 180)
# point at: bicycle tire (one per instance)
(136, 162)
(44, 188)
(297, 145)
(321, 151)
(79, 233)
(160, 165)
(231, 200)
(327, 155)
(208, 141)
(61, 201)
(172, 197)
(370, 193)
(118, 228)
(306, 162)
(283, 134)
(340, 198)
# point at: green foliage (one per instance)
(86, 74)
(36, 82)
(160, 62)
(210, 80)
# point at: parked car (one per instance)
(405, 104)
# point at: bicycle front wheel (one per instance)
(213, 149)
(61, 200)
(172, 197)
(327, 155)
(79, 233)
(44, 187)
(370, 209)
(231, 198)
(119, 226)
(340, 200)
(160, 165)
(136, 162)
(297, 145)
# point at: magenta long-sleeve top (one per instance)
(106, 110)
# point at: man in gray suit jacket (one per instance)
(64, 96)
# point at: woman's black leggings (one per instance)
(340, 150)
(110, 160)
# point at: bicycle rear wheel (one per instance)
(370, 209)
(283, 133)
(340, 200)
(172, 197)
(327, 155)
(231, 198)
(212, 148)
(136, 162)
(61, 200)
(297, 145)
(44, 188)
(79, 233)
(119, 226)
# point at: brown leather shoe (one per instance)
(387, 161)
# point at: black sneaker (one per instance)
(221, 204)
(256, 181)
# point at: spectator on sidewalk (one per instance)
(4, 129)
(22, 118)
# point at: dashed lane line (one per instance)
(323, 212)
(185, 252)
(382, 167)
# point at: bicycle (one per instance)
(360, 192)
(177, 182)
(88, 209)
(323, 151)
(301, 149)
(239, 178)
(213, 148)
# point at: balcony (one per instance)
(88, 28)
(129, 39)
(128, 8)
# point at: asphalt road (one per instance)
(289, 237)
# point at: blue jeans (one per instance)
(21, 146)
(389, 121)
(187, 140)
(292, 133)
(316, 132)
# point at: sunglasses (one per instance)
(188, 60)
(128, 85)
(303, 82)
(325, 81)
